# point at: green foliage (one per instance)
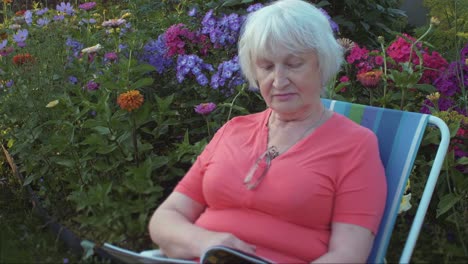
(451, 34)
(365, 20)
(102, 170)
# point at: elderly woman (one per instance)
(295, 183)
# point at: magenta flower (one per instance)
(92, 86)
(110, 57)
(87, 6)
(205, 108)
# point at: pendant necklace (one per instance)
(273, 151)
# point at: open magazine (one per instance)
(213, 255)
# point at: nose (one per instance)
(280, 77)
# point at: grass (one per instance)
(24, 238)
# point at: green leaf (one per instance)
(141, 83)
(462, 161)
(31, 178)
(143, 68)
(159, 161)
(66, 163)
(453, 127)
(446, 203)
(102, 130)
(426, 88)
(106, 149)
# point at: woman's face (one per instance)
(289, 83)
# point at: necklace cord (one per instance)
(273, 151)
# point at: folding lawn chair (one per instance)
(399, 134)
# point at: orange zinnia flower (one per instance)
(370, 79)
(21, 59)
(7, 1)
(130, 100)
(20, 13)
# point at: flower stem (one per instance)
(135, 141)
(402, 102)
(384, 74)
(233, 100)
(418, 40)
(207, 126)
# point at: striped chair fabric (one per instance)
(399, 134)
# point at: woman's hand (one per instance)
(172, 228)
(225, 239)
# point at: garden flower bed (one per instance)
(105, 106)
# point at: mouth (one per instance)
(283, 96)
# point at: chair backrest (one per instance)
(399, 134)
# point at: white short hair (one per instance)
(294, 24)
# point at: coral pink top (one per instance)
(332, 175)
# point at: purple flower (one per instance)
(192, 64)
(333, 24)
(254, 7)
(28, 17)
(228, 75)
(87, 6)
(41, 12)
(73, 79)
(223, 31)
(155, 54)
(21, 36)
(205, 108)
(3, 44)
(193, 12)
(92, 85)
(59, 17)
(41, 22)
(65, 261)
(10, 83)
(110, 57)
(75, 46)
(66, 8)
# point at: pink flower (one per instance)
(357, 54)
(344, 79)
(110, 56)
(379, 60)
(205, 108)
(87, 6)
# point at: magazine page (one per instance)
(223, 254)
(147, 257)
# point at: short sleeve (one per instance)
(361, 188)
(192, 183)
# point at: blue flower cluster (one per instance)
(155, 54)
(192, 64)
(223, 31)
(228, 75)
(75, 46)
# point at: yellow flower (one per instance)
(126, 15)
(433, 96)
(52, 103)
(130, 100)
(435, 21)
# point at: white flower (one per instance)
(405, 203)
(92, 49)
(52, 104)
